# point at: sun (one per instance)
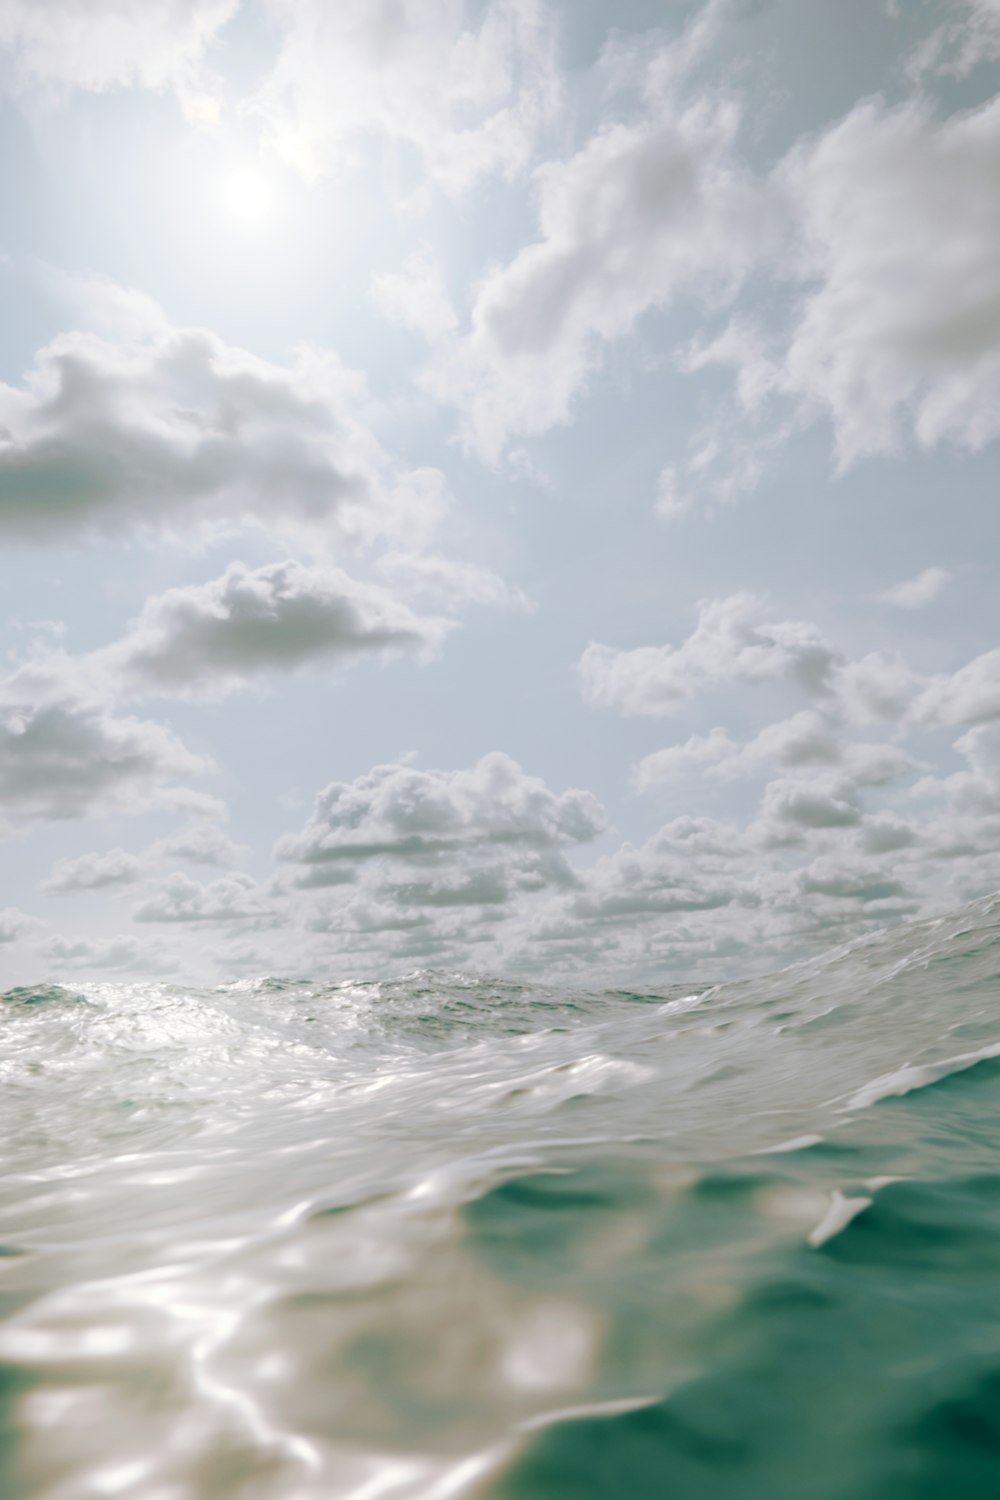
(248, 196)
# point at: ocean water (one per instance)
(449, 1236)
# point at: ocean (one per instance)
(451, 1236)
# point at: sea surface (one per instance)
(448, 1236)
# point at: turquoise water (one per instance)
(448, 1236)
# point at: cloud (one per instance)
(14, 924)
(451, 581)
(885, 305)
(957, 46)
(178, 429)
(971, 695)
(201, 843)
(414, 297)
(840, 880)
(92, 872)
(913, 593)
(413, 815)
(434, 867)
(61, 758)
(734, 642)
(640, 215)
(441, 864)
(109, 44)
(698, 754)
(101, 954)
(805, 741)
(468, 88)
(649, 882)
(206, 640)
(231, 898)
(729, 643)
(791, 808)
(900, 256)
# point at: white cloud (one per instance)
(734, 641)
(729, 643)
(791, 808)
(451, 581)
(699, 753)
(641, 214)
(469, 93)
(206, 640)
(806, 741)
(913, 593)
(201, 843)
(889, 325)
(409, 814)
(900, 245)
(61, 758)
(957, 46)
(230, 898)
(842, 879)
(107, 44)
(92, 872)
(970, 695)
(178, 430)
(101, 954)
(14, 924)
(414, 297)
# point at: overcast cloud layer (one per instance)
(485, 487)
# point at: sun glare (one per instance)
(248, 197)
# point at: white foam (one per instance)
(613, 1408)
(837, 1217)
(797, 1143)
(918, 1076)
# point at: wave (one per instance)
(451, 1234)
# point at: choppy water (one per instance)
(447, 1236)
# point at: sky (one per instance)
(498, 485)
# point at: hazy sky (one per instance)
(508, 486)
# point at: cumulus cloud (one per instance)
(61, 758)
(206, 640)
(409, 814)
(641, 214)
(791, 808)
(430, 867)
(703, 897)
(179, 429)
(970, 695)
(467, 87)
(913, 593)
(436, 866)
(805, 741)
(895, 334)
(729, 643)
(201, 843)
(92, 872)
(734, 642)
(441, 864)
(101, 954)
(14, 924)
(697, 754)
(885, 313)
(230, 898)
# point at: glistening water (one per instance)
(447, 1236)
